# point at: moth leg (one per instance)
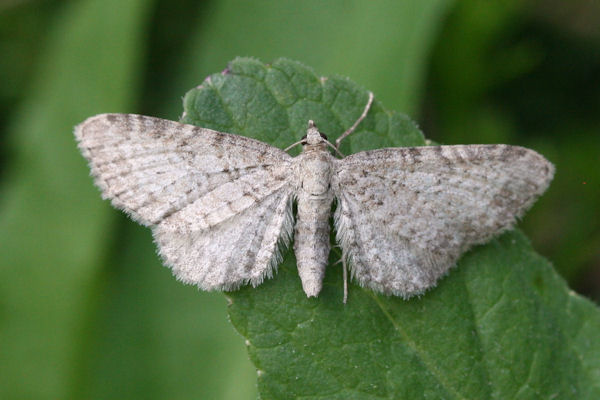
(358, 121)
(345, 276)
(344, 271)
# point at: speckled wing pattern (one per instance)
(405, 215)
(220, 205)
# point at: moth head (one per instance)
(313, 136)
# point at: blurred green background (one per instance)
(86, 310)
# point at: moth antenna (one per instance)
(339, 153)
(291, 146)
(358, 121)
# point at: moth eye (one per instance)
(303, 140)
(323, 136)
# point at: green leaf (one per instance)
(501, 325)
(384, 45)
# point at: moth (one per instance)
(220, 205)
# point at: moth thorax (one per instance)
(316, 169)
